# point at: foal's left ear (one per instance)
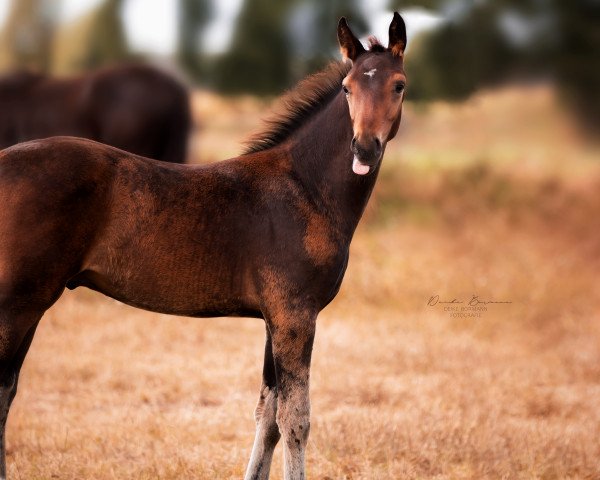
(350, 46)
(397, 36)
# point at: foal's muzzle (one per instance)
(366, 154)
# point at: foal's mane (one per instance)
(297, 105)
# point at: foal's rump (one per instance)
(53, 196)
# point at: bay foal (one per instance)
(264, 235)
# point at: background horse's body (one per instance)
(265, 234)
(135, 107)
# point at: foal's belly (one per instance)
(180, 280)
(196, 300)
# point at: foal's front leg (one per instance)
(267, 432)
(292, 338)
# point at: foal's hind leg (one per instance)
(267, 432)
(15, 339)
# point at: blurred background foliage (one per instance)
(475, 44)
(275, 44)
(26, 39)
(485, 43)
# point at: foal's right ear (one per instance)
(350, 46)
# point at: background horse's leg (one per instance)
(267, 431)
(292, 336)
(16, 334)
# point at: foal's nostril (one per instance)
(368, 149)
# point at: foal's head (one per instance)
(374, 88)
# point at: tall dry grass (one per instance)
(400, 389)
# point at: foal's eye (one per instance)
(399, 87)
(345, 89)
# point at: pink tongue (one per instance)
(359, 168)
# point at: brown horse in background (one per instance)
(266, 234)
(135, 107)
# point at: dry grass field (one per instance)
(469, 202)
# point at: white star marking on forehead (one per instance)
(371, 72)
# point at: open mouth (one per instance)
(359, 168)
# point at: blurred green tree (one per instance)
(315, 32)
(277, 43)
(575, 58)
(26, 40)
(193, 15)
(107, 42)
(481, 43)
(397, 5)
(258, 60)
(460, 56)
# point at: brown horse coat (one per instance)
(135, 107)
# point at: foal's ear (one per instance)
(397, 36)
(350, 46)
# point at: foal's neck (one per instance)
(322, 160)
